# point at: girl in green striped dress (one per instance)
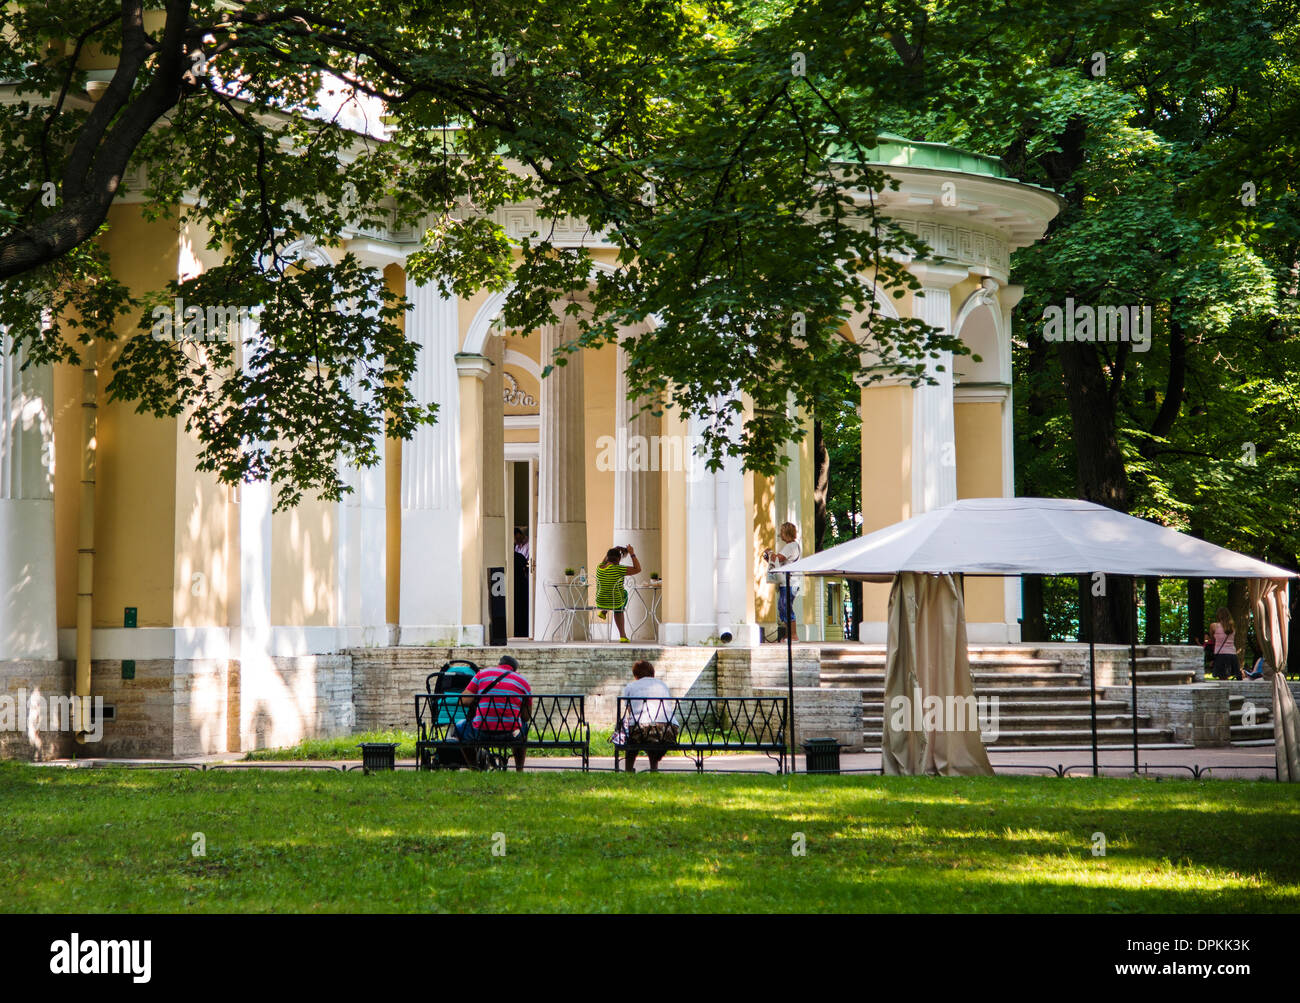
(611, 594)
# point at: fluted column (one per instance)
(934, 475)
(362, 543)
(636, 480)
(717, 535)
(255, 672)
(562, 476)
(430, 604)
(472, 374)
(28, 628)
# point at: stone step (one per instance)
(838, 674)
(1250, 732)
(1025, 679)
(1078, 737)
(1042, 692)
(1018, 706)
(1035, 722)
(878, 662)
(1164, 677)
(974, 650)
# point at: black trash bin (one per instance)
(821, 755)
(378, 756)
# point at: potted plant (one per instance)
(569, 572)
(654, 576)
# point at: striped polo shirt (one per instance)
(502, 692)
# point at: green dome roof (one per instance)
(893, 150)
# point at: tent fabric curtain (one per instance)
(1272, 622)
(927, 659)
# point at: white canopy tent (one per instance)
(1057, 536)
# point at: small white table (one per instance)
(569, 604)
(650, 595)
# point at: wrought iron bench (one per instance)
(556, 721)
(702, 726)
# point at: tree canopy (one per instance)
(1171, 133)
(719, 148)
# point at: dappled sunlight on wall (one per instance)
(203, 544)
(304, 565)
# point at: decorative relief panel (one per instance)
(522, 391)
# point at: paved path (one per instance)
(1230, 763)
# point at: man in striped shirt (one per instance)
(502, 702)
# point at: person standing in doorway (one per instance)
(788, 552)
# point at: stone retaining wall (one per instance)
(20, 681)
(284, 699)
(824, 713)
(1112, 660)
(178, 708)
(385, 680)
(1196, 713)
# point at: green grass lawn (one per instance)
(120, 840)
(346, 747)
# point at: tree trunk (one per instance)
(821, 484)
(1105, 608)
(1239, 607)
(1033, 624)
(1152, 611)
(1099, 467)
(1196, 622)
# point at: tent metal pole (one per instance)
(1133, 672)
(1092, 678)
(789, 673)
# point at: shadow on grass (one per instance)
(406, 842)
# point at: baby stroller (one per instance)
(452, 678)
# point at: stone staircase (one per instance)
(1039, 703)
(1259, 733)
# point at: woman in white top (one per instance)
(1222, 637)
(790, 551)
(648, 719)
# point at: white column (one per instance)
(934, 481)
(256, 674)
(636, 481)
(730, 534)
(788, 497)
(717, 533)
(28, 629)
(701, 556)
(364, 516)
(1012, 596)
(430, 607)
(562, 488)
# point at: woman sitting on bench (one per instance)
(648, 720)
